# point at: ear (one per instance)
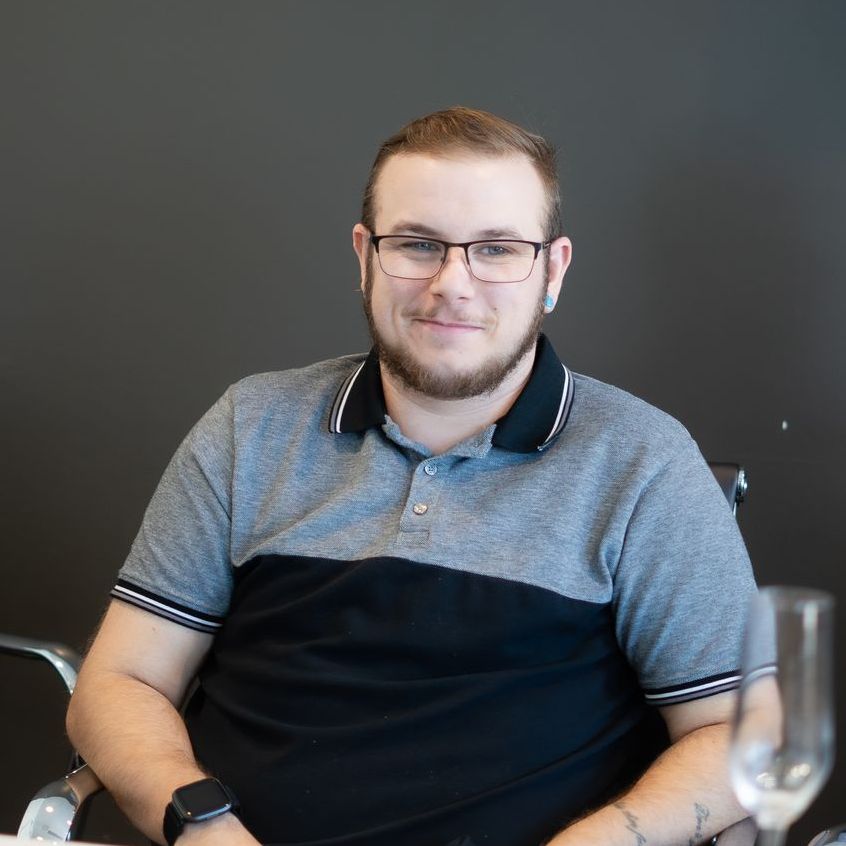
(361, 245)
(560, 254)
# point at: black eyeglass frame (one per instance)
(465, 245)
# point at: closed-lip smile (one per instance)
(448, 325)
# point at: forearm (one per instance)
(683, 798)
(135, 741)
(123, 719)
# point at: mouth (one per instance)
(448, 326)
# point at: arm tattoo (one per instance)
(631, 824)
(702, 814)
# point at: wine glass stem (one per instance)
(771, 837)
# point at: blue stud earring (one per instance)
(549, 302)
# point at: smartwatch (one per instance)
(196, 802)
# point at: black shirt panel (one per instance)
(381, 700)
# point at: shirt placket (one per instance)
(423, 502)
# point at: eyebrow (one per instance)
(413, 228)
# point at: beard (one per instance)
(413, 373)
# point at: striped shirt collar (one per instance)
(532, 423)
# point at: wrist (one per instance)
(603, 827)
(196, 805)
(226, 825)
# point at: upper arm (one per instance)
(682, 586)
(685, 717)
(187, 526)
(143, 646)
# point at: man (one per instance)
(448, 590)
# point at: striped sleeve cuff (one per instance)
(688, 691)
(167, 608)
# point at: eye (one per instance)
(494, 250)
(420, 246)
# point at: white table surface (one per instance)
(11, 840)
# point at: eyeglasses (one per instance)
(497, 260)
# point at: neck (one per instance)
(440, 424)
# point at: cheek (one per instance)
(404, 296)
(516, 313)
(386, 300)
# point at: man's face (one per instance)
(454, 336)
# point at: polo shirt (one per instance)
(412, 648)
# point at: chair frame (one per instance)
(57, 811)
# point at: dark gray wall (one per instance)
(178, 185)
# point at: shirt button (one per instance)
(420, 508)
(430, 469)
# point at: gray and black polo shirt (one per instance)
(410, 647)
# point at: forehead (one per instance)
(460, 195)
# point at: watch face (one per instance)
(201, 800)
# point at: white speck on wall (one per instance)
(783, 425)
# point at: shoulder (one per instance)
(619, 441)
(611, 413)
(265, 405)
(279, 386)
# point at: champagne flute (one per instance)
(782, 747)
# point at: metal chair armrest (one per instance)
(54, 812)
(733, 480)
(835, 834)
(64, 660)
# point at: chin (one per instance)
(443, 382)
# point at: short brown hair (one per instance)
(463, 130)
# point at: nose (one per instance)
(454, 280)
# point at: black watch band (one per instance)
(196, 802)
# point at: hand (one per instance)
(226, 830)
(739, 834)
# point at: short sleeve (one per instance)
(683, 584)
(179, 566)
